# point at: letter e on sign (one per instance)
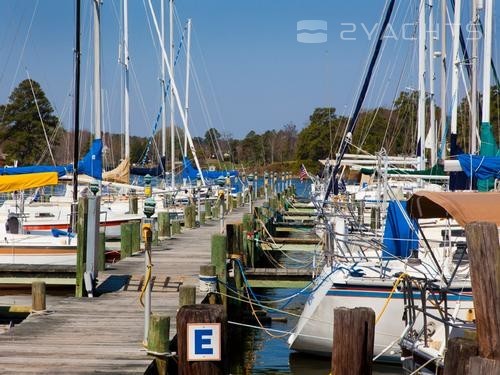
(203, 341)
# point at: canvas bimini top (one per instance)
(464, 207)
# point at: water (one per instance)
(259, 353)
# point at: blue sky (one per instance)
(252, 73)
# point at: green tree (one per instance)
(21, 126)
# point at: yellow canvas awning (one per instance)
(120, 174)
(464, 207)
(27, 181)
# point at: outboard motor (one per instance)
(12, 224)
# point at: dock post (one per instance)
(221, 215)
(353, 339)
(484, 258)
(81, 246)
(211, 358)
(133, 202)
(459, 351)
(38, 299)
(208, 282)
(208, 209)
(187, 216)
(219, 256)
(164, 224)
(135, 236)
(187, 295)
(375, 218)
(176, 227)
(125, 240)
(158, 341)
(147, 232)
(101, 255)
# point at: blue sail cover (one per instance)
(91, 165)
(480, 167)
(399, 238)
(192, 173)
(61, 170)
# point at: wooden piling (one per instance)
(483, 366)
(459, 351)
(353, 339)
(81, 255)
(176, 227)
(189, 216)
(203, 217)
(375, 218)
(219, 256)
(158, 341)
(125, 240)
(187, 295)
(135, 236)
(101, 254)
(38, 299)
(164, 224)
(201, 314)
(484, 258)
(133, 204)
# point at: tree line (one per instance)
(28, 125)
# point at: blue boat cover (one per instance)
(192, 173)
(11, 171)
(480, 167)
(91, 165)
(399, 238)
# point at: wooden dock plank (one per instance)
(104, 334)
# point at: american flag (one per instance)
(303, 173)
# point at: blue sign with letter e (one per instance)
(204, 342)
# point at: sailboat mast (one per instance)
(188, 63)
(474, 65)
(76, 118)
(176, 92)
(432, 79)
(97, 69)
(456, 68)
(172, 125)
(126, 105)
(163, 88)
(488, 31)
(444, 73)
(422, 31)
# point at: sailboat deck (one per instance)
(104, 334)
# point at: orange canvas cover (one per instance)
(464, 207)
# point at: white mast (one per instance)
(488, 31)
(421, 86)
(444, 73)
(172, 125)
(176, 93)
(97, 70)
(188, 62)
(432, 128)
(456, 66)
(126, 57)
(474, 62)
(163, 88)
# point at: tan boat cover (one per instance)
(120, 174)
(464, 207)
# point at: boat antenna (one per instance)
(76, 130)
(344, 145)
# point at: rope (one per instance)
(386, 303)
(147, 277)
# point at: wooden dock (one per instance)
(104, 334)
